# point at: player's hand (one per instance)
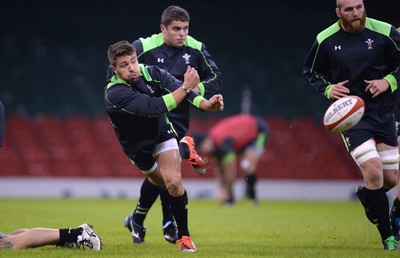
(339, 90)
(376, 87)
(215, 103)
(191, 78)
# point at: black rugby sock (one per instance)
(179, 209)
(396, 208)
(184, 150)
(166, 207)
(251, 186)
(69, 235)
(148, 195)
(378, 202)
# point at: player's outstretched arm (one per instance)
(215, 103)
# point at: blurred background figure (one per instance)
(239, 138)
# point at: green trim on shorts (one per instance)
(228, 157)
(260, 141)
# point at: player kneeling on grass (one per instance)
(65, 237)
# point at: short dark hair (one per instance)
(121, 48)
(174, 13)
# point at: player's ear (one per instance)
(338, 13)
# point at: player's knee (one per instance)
(249, 164)
(245, 164)
(389, 181)
(390, 159)
(174, 186)
(364, 152)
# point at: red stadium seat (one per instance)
(10, 163)
(126, 169)
(29, 145)
(67, 169)
(298, 148)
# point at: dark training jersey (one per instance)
(154, 51)
(137, 112)
(398, 108)
(374, 53)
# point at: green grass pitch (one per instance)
(273, 229)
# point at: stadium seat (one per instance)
(273, 166)
(98, 168)
(67, 169)
(10, 160)
(61, 156)
(277, 124)
(29, 145)
(118, 161)
(10, 163)
(126, 169)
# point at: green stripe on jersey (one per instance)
(151, 42)
(197, 101)
(193, 43)
(116, 80)
(372, 24)
(328, 32)
(145, 73)
(378, 26)
(169, 101)
(157, 40)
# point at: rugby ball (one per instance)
(344, 113)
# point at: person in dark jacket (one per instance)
(137, 99)
(173, 49)
(358, 55)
